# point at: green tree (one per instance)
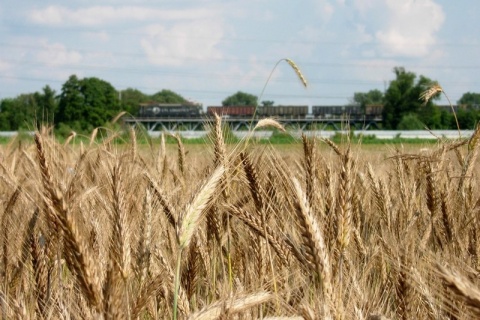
(240, 99)
(267, 103)
(431, 116)
(28, 111)
(467, 118)
(7, 111)
(410, 121)
(167, 96)
(47, 105)
(87, 103)
(371, 97)
(471, 99)
(402, 98)
(70, 105)
(19, 113)
(130, 100)
(447, 120)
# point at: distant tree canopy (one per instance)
(130, 99)
(410, 121)
(87, 103)
(371, 97)
(240, 99)
(82, 105)
(28, 111)
(268, 103)
(468, 117)
(471, 99)
(402, 98)
(167, 96)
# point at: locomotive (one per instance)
(169, 110)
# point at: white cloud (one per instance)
(100, 15)
(57, 54)
(412, 27)
(364, 5)
(189, 40)
(102, 36)
(325, 10)
(4, 66)
(405, 28)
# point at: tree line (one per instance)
(403, 109)
(84, 104)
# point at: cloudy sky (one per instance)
(207, 50)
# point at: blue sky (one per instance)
(207, 50)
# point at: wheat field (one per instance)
(318, 231)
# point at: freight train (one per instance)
(162, 110)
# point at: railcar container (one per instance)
(232, 111)
(283, 111)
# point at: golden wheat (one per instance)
(117, 231)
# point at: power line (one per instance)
(325, 64)
(117, 31)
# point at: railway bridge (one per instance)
(241, 124)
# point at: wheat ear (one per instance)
(227, 307)
(431, 92)
(118, 116)
(133, 141)
(297, 71)
(313, 240)
(189, 220)
(471, 157)
(72, 135)
(93, 136)
(265, 231)
(310, 167)
(268, 122)
(462, 287)
(76, 252)
(181, 153)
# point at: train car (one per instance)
(283, 111)
(231, 111)
(336, 112)
(327, 112)
(373, 111)
(354, 112)
(169, 110)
